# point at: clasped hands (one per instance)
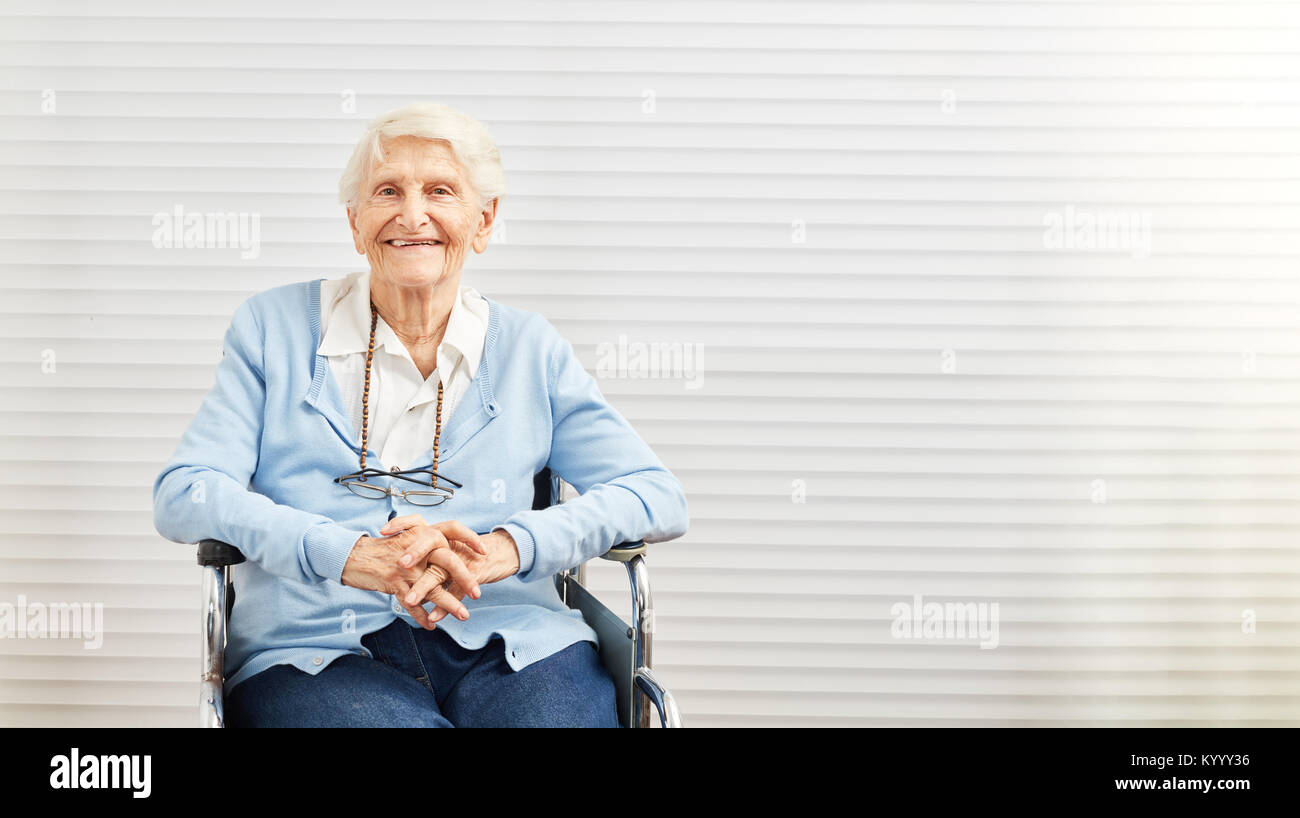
(419, 562)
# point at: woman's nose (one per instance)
(413, 215)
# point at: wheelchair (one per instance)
(624, 650)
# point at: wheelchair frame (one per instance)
(624, 650)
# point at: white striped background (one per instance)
(921, 145)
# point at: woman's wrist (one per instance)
(503, 555)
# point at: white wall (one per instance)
(953, 392)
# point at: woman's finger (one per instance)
(398, 523)
(417, 613)
(451, 563)
(424, 539)
(459, 531)
(420, 590)
(432, 588)
(446, 601)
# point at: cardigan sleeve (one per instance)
(203, 491)
(626, 494)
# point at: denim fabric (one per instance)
(420, 678)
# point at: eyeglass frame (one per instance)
(440, 491)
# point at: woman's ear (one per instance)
(356, 234)
(484, 234)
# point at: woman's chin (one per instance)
(410, 276)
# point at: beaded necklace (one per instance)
(365, 403)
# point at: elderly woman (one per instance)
(370, 445)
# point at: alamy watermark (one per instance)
(1073, 229)
(75, 771)
(53, 620)
(211, 230)
(656, 359)
(945, 620)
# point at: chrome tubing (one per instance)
(643, 619)
(216, 579)
(669, 715)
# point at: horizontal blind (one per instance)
(987, 302)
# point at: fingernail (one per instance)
(406, 560)
(410, 598)
(477, 592)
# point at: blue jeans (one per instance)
(421, 678)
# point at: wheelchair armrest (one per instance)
(218, 553)
(624, 552)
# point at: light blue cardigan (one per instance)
(256, 465)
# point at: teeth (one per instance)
(400, 243)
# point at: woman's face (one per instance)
(416, 215)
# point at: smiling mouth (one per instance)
(420, 243)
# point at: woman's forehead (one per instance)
(415, 147)
(429, 157)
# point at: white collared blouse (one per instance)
(402, 402)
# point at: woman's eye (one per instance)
(387, 190)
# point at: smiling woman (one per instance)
(415, 220)
(415, 209)
(344, 601)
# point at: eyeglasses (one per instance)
(358, 483)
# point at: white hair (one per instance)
(468, 139)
